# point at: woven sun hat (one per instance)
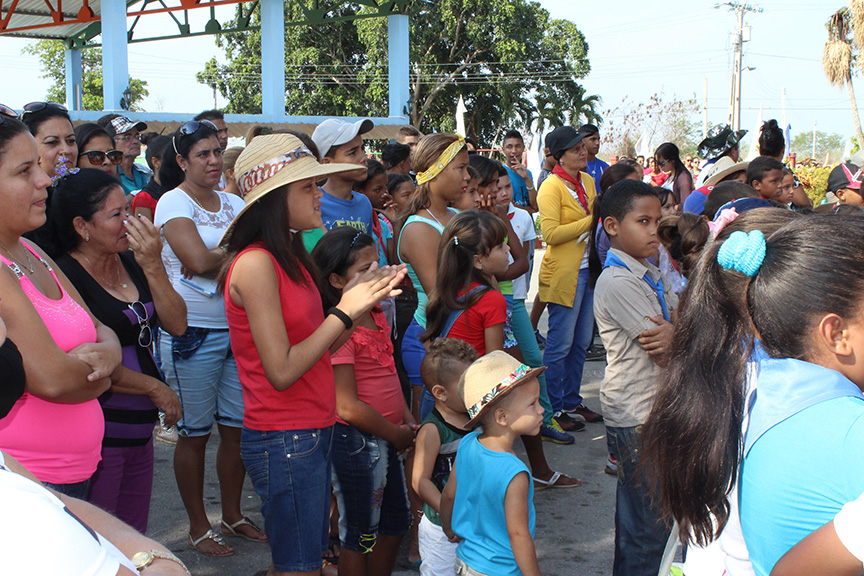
(272, 161)
(721, 169)
(490, 378)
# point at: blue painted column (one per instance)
(115, 53)
(272, 57)
(74, 80)
(398, 48)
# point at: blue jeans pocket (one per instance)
(183, 347)
(302, 444)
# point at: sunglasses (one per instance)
(97, 157)
(145, 336)
(34, 107)
(190, 128)
(7, 112)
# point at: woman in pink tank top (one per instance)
(56, 428)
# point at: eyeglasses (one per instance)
(97, 157)
(34, 107)
(190, 128)
(661, 162)
(145, 336)
(125, 137)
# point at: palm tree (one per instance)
(837, 55)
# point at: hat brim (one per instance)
(533, 373)
(288, 175)
(715, 179)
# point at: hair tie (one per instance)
(723, 218)
(456, 240)
(743, 252)
(353, 240)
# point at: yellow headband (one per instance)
(443, 160)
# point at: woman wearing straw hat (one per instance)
(281, 337)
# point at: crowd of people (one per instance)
(357, 330)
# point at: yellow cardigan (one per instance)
(563, 221)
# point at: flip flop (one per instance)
(211, 534)
(231, 529)
(553, 483)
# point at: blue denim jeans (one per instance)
(567, 341)
(369, 484)
(413, 353)
(640, 532)
(290, 471)
(80, 490)
(524, 333)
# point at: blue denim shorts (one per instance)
(201, 369)
(369, 484)
(290, 471)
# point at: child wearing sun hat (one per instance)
(491, 509)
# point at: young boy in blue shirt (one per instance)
(633, 306)
(490, 508)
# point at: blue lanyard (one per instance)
(613, 260)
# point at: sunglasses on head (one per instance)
(34, 107)
(190, 128)
(98, 157)
(7, 112)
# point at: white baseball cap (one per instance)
(335, 132)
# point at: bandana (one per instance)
(577, 182)
(443, 160)
(263, 172)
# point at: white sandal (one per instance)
(552, 482)
(210, 535)
(231, 529)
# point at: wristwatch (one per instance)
(142, 560)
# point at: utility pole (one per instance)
(705, 107)
(740, 10)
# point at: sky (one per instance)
(636, 49)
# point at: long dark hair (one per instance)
(170, 173)
(267, 221)
(478, 233)
(334, 253)
(670, 152)
(80, 194)
(86, 132)
(771, 140)
(486, 168)
(34, 120)
(684, 236)
(693, 435)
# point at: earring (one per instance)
(87, 238)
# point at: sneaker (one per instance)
(541, 341)
(584, 414)
(554, 433)
(566, 423)
(167, 434)
(611, 466)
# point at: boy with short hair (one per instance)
(844, 182)
(342, 142)
(435, 447)
(632, 305)
(765, 175)
(595, 166)
(524, 193)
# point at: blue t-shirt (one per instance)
(520, 189)
(802, 456)
(356, 212)
(595, 169)
(482, 479)
(139, 178)
(381, 241)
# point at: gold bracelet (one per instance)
(142, 560)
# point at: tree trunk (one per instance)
(854, 105)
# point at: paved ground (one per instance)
(574, 527)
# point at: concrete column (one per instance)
(272, 57)
(398, 64)
(74, 80)
(115, 53)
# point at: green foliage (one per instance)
(512, 64)
(830, 144)
(815, 180)
(52, 63)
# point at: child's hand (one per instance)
(452, 536)
(365, 290)
(657, 342)
(404, 438)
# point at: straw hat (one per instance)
(720, 169)
(491, 377)
(272, 161)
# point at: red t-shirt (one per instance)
(371, 353)
(311, 401)
(144, 200)
(489, 310)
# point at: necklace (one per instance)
(29, 264)
(433, 216)
(195, 199)
(116, 269)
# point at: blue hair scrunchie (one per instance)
(743, 252)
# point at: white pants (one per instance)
(437, 553)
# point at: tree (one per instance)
(510, 61)
(659, 119)
(53, 66)
(830, 144)
(837, 56)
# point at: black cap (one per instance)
(562, 139)
(844, 175)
